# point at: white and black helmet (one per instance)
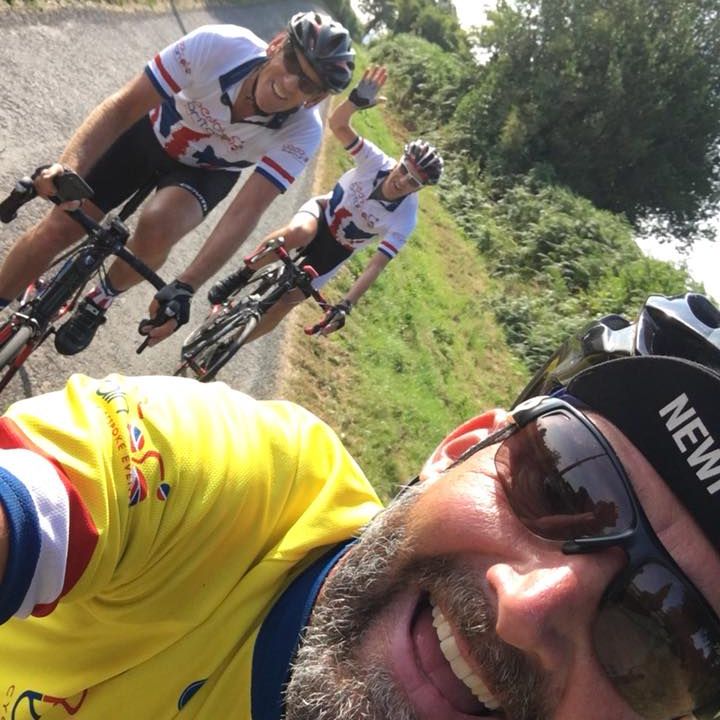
(326, 45)
(425, 159)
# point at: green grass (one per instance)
(417, 356)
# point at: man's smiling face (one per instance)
(284, 81)
(449, 608)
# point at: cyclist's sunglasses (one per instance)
(292, 64)
(655, 635)
(413, 181)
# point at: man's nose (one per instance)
(546, 608)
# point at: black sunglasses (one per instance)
(655, 635)
(292, 64)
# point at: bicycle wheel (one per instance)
(223, 323)
(222, 353)
(15, 346)
(212, 345)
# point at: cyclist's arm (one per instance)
(239, 220)
(368, 276)
(101, 128)
(365, 93)
(108, 121)
(339, 123)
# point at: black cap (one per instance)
(670, 410)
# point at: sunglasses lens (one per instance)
(292, 65)
(657, 643)
(405, 171)
(560, 481)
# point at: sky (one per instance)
(471, 12)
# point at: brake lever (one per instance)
(148, 323)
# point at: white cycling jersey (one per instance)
(199, 77)
(354, 218)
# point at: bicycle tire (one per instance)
(14, 344)
(211, 338)
(224, 353)
(224, 318)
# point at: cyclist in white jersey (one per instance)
(374, 202)
(215, 102)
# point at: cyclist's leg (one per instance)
(184, 197)
(118, 173)
(325, 255)
(298, 233)
(33, 251)
(276, 313)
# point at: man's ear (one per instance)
(460, 439)
(276, 43)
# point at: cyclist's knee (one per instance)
(298, 234)
(54, 232)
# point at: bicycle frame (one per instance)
(29, 325)
(228, 328)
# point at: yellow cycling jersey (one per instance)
(154, 524)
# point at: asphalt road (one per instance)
(56, 66)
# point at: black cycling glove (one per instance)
(336, 315)
(174, 300)
(364, 94)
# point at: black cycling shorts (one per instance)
(137, 159)
(324, 252)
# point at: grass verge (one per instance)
(417, 355)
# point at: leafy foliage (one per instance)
(426, 101)
(434, 20)
(558, 261)
(620, 100)
(342, 11)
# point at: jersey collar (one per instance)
(389, 205)
(280, 635)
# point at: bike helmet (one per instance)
(685, 326)
(326, 45)
(425, 159)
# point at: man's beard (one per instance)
(329, 681)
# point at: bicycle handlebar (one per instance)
(113, 233)
(23, 192)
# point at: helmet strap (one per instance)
(253, 92)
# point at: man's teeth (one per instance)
(462, 670)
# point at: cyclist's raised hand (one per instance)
(365, 94)
(169, 310)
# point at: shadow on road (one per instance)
(178, 18)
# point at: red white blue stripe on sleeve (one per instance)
(39, 510)
(355, 146)
(161, 78)
(275, 173)
(388, 249)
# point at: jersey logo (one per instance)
(208, 158)
(35, 698)
(340, 215)
(188, 692)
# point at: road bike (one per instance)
(230, 324)
(55, 294)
